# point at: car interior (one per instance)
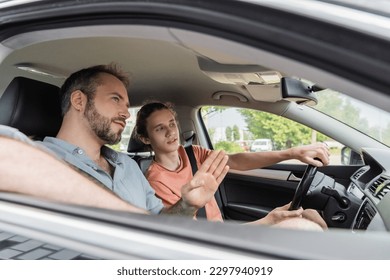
(196, 67)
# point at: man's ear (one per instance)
(78, 100)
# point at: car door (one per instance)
(250, 195)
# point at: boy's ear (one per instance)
(145, 140)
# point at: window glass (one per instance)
(244, 130)
(363, 117)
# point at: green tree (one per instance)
(228, 133)
(236, 133)
(283, 132)
(228, 147)
(210, 110)
(115, 147)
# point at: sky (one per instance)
(228, 117)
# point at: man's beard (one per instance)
(102, 125)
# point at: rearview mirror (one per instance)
(297, 91)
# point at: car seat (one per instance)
(31, 106)
(140, 152)
(143, 154)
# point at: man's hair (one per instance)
(87, 80)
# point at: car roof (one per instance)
(150, 52)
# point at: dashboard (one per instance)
(364, 204)
(371, 184)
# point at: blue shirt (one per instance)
(128, 182)
(14, 133)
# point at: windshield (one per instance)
(368, 119)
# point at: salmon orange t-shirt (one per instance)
(167, 184)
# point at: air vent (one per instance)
(382, 192)
(380, 187)
(375, 185)
(358, 173)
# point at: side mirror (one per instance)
(350, 157)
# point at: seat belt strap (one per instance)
(190, 153)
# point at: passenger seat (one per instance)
(143, 155)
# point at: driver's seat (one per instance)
(31, 106)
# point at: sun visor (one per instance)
(261, 83)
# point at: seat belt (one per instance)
(190, 153)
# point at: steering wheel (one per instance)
(303, 187)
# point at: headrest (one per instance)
(31, 106)
(189, 137)
(136, 145)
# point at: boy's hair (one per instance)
(144, 113)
